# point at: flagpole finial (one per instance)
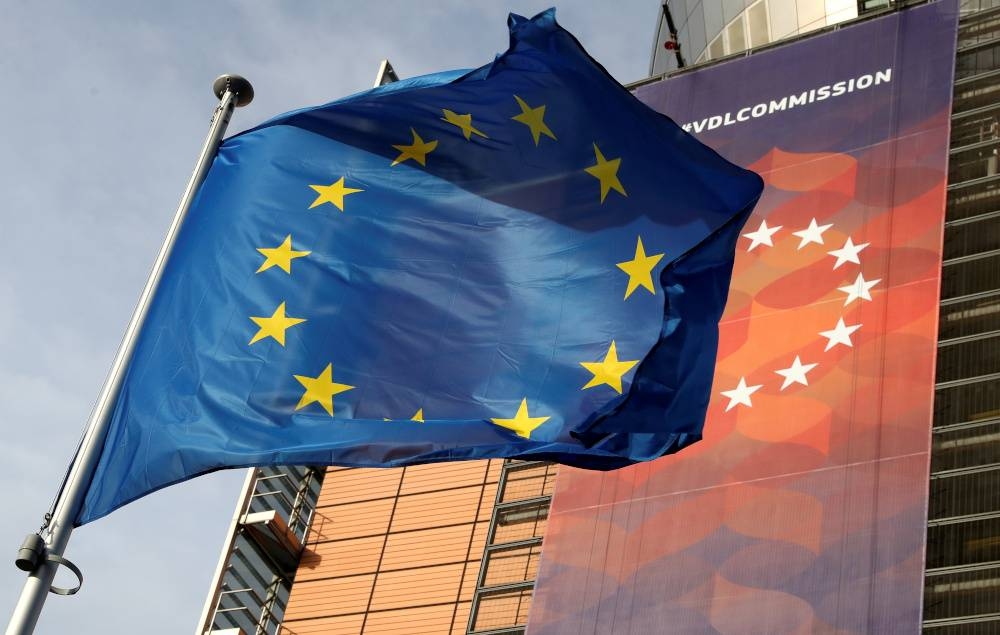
(238, 84)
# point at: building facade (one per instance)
(456, 548)
(707, 30)
(448, 548)
(962, 593)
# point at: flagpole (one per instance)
(42, 553)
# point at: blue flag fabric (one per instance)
(518, 261)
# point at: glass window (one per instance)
(987, 626)
(713, 17)
(980, 30)
(521, 522)
(696, 31)
(737, 36)
(967, 494)
(678, 11)
(972, 446)
(977, 401)
(970, 317)
(963, 543)
(810, 11)
(973, 358)
(731, 9)
(757, 24)
(961, 594)
(511, 565)
(717, 48)
(502, 609)
(977, 61)
(244, 593)
(528, 481)
(871, 5)
(975, 128)
(784, 20)
(967, 202)
(841, 6)
(681, 9)
(812, 26)
(972, 238)
(970, 276)
(974, 164)
(975, 92)
(836, 17)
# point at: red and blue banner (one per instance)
(804, 510)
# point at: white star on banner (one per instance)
(796, 373)
(841, 334)
(859, 289)
(812, 234)
(848, 253)
(740, 394)
(762, 236)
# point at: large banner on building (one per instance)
(804, 509)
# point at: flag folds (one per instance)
(517, 261)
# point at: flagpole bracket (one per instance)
(33, 553)
(59, 560)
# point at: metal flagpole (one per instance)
(42, 553)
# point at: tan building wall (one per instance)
(395, 551)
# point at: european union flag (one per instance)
(517, 261)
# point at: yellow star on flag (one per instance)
(464, 122)
(275, 326)
(522, 424)
(320, 389)
(640, 269)
(609, 371)
(607, 173)
(418, 150)
(281, 256)
(534, 118)
(333, 194)
(418, 416)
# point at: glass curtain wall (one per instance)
(712, 29)
(962, 592)
(251, 591)
(513, 549)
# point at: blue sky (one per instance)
(104, 107)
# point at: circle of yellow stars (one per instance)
(322, 388)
